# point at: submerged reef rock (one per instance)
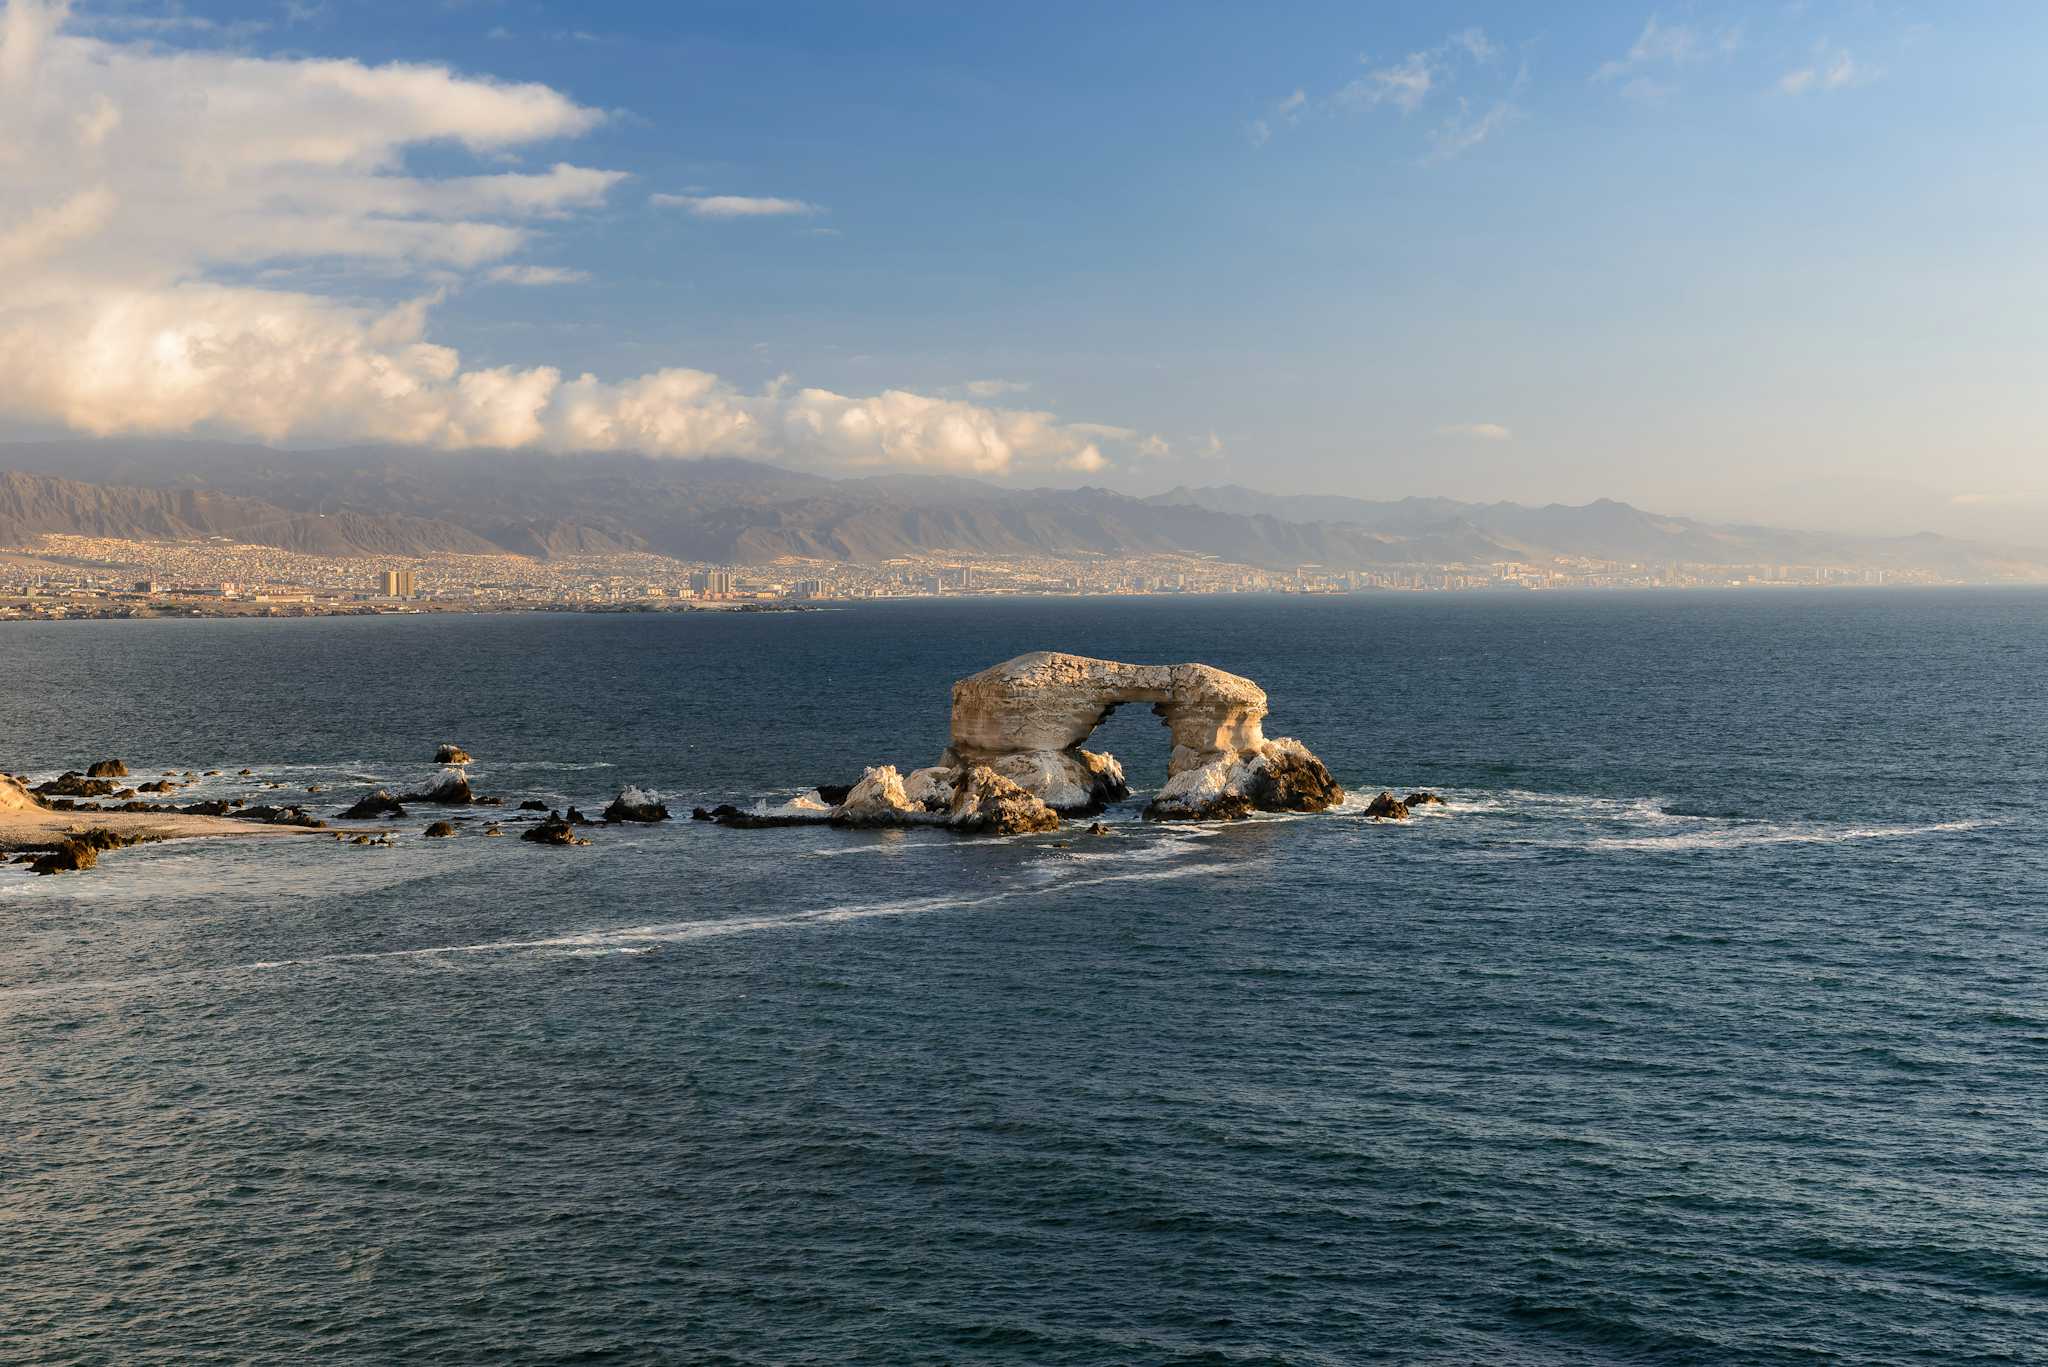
(1015, 763)
(635, 804)
(1423, 800)
(452, 754)
(440, 830)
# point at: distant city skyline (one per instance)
(1760, 262)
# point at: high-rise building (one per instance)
(712, 583)
(398, 584)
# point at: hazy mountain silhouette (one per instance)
(387, 500)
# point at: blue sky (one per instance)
(1776, 260)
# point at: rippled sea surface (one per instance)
(1708, 1023)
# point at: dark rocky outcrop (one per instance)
(80, 851)
(107, 768)
(725, 814)
(1292, 781)
(452, 754)
(278, 816)
(161, 785)
(634, 805)
(440, 830)
(1387, 807)
(377, 804)
(556, 830)
(533, 804)
(71, 783)
(1424, 799)
(73, 856)
(833, 794)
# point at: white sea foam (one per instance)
(1735, 836)
(638, 939)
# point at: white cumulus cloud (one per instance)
(146, 190)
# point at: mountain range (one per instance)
(400, 502)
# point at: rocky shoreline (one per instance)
(64, 823)
(1014, 765)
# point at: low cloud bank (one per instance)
(160, 199)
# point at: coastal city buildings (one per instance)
(72, 576)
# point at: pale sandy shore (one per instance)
(26, 824)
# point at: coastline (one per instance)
(38, 828)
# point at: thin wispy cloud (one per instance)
(1284, 111)
(1831, 70)
(535, 275)
(1476, 431)
(1404, 85)
(1410, 84)
(1472, 124)
(1661, 46)
(736, 206)
(992, 389)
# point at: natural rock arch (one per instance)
(1026, 719)
(1015, 762)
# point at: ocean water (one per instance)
(1707, 1024)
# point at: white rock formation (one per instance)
(1015, 760)
(877, 800)
(1026, 719)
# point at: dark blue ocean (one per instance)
(1707, 1024)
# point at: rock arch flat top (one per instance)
(1051, 701)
